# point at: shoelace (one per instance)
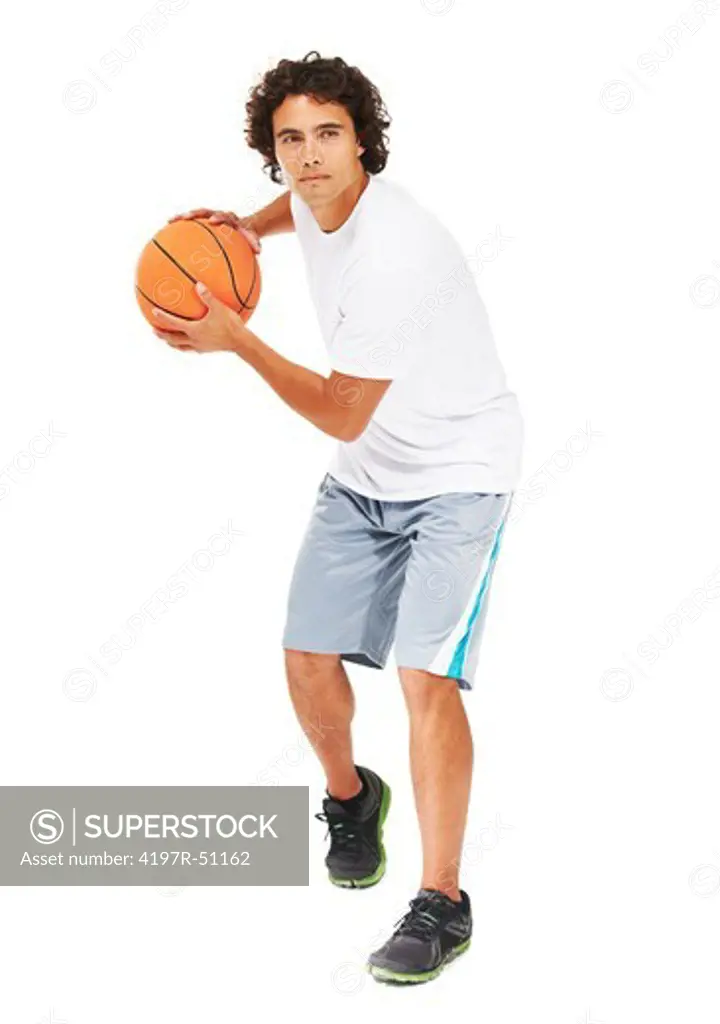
(419, 921)
(344, 834)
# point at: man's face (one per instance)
(316, 147)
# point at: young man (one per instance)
(407, 523)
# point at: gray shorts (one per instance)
(418, 573)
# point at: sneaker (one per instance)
(357, 856)
(434, 931)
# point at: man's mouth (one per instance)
(314, 177)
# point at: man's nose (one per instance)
(310, 151)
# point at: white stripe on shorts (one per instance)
(444, 657)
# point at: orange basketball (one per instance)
(187, 251)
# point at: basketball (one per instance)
(187, 251)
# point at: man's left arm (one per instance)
(377, 303)
(340, 405)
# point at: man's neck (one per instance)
(333, 215)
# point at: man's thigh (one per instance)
(347, 579)
(443, 604)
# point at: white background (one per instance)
(593, 843)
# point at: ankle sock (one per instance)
(352, 804)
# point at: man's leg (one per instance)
(441, 760)
(324, 703)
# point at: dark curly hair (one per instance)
(323, 78)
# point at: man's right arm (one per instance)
(273, 219)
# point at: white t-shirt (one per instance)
(395, 299)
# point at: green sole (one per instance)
(385, 974)
(374, 878)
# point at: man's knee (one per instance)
(302, 666)
(423, 689)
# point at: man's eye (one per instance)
(330, 131)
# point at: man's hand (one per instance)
(220, 330)
(242, 224)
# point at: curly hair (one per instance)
(325, 79)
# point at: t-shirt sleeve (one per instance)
(378, 333)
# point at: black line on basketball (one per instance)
(158, 306)
(229, 266)
(173, 260)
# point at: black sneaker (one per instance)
(357, 856)
(434, 931)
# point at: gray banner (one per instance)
(154, 835)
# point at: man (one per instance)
(407, 523)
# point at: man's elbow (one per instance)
(349, 431)
(351, 403)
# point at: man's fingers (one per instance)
(170, 335)
(234, 222)
(167, 320)
(251, 237)
(173, 338)
(201, 212)
(222, 217)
